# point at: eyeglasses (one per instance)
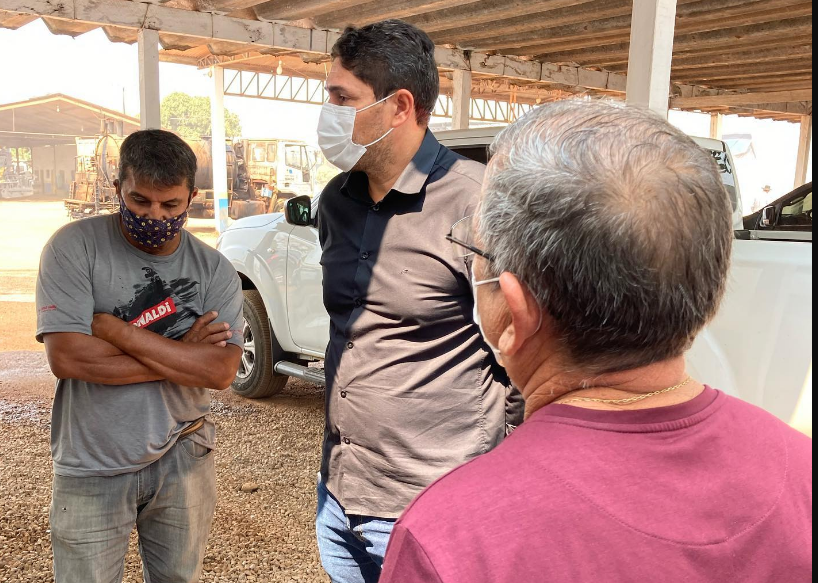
(461, 237)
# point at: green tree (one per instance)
(189, 116)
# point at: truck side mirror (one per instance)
(298, 211)
(767, 218)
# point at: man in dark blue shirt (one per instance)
(412, 389)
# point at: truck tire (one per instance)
(255, 378)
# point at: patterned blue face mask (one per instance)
(150, 233)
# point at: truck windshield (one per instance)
(258, 152)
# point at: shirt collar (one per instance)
(416, 174)
(412, 179)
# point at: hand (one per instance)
(204, 330)
(107, 326)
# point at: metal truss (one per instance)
(275, 87)
(302, 90)
(485, 110)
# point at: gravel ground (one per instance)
(264, 536)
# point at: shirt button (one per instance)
(350, 345)
(343, 394)
(376, 207)
(364, 256)
(347, 441)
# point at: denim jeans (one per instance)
(352, 547)
(171, 502)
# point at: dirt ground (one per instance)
(266, 536)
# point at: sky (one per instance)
(90, 67)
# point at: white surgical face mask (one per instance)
(476, 315)
(335, 127)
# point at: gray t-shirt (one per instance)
(89, 267)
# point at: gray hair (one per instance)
(617, 222)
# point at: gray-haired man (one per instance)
(601, 250)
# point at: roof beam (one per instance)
(379, 10)
(118, 34)
(487, 11)
(619, 53)
(232, 5)
(697, 17)
(791, 82)
(532, 21)
(70, 28)
(700, 41)
(298, 9)
(195, 29)
(494, 17)
(742, 99)
(685, 62)
(13, 20)
(184, 28)
(744, 71)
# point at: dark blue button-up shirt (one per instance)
(412, 389)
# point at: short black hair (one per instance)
(391, 55)
(158, 158)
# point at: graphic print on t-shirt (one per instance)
(164, 308)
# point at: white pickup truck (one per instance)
(758, 348)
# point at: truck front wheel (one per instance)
(255, 378)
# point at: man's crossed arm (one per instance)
(119, 354)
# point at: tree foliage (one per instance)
(189, 116)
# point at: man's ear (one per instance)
(118, 187)
(193, 194)
(526, 315)
(404, 107)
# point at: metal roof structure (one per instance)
(57, 119)
(750, 57)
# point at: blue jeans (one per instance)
(171, 502)
(352, 547)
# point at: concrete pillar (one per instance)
(220, 199)
(149, 116)
(804, 143)
(461, 99)
(651, 53)
(716, 126)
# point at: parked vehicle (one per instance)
(261, 174)
(759, 348)
(788, 218)
(92, 191)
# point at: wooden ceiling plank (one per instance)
(532, 20)
(300, 9)
(791, 65)
(234, 5)
(377, 10)
(68, 27)
(727, 13)
(491, 11)
(742, 99)
(723, 73)
(13, 20)
(118, 34)
(738, 36)
(725, 59)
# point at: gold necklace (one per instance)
(627, 400)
